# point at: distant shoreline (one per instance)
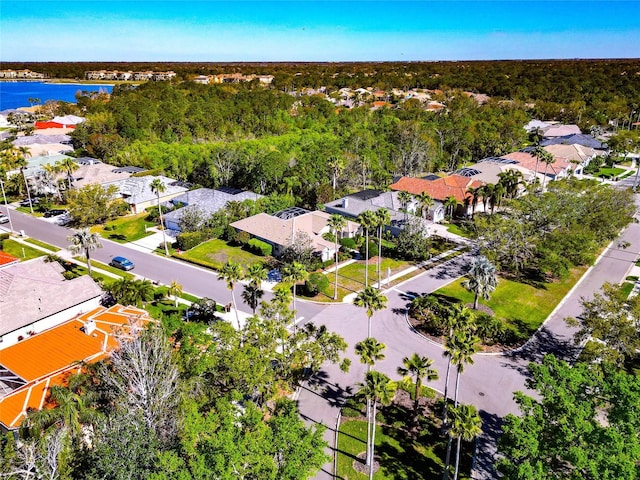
(68, 81)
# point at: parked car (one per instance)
(3, 218)
(54, 213)
(25, 202)
(122, 263)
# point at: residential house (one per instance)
(35, 296)
(439, 188)
(351, 206)
(575, 139)
(488, 170)
(281, 229)
(136, 191)
(206, 201)
(29, 368)
(525, 159)
(553, 131)
(92, 171)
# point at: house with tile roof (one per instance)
(136, 191)
(439, 188)
(281, 229)
(575, 139)
(35, 296)
(206, 202)
(351, 206)
(553, 131)
(525, 159)
(29, 368)
(7, 259)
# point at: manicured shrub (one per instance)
(188, 240)
(316, 283)
(259, 247)
(348, 243)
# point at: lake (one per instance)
(17, 94)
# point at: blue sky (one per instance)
(140, 30)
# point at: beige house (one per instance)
(136, 191)
(281, 229)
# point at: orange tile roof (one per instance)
(7, 258)
(46, 358)
(440, 189)
(528, 161)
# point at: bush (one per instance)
(316, 283)
(259, 247)
(188, 240)
(348, 243)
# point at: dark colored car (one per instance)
(54, 213)
(122, 263)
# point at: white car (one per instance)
(3, 218)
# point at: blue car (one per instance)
(122, 263)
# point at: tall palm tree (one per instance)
(450, 204)
(475, 194)
(540, 154)
(16, 158)
(294, 273)
(231, 273)
(420, 368)
(510, 179)
(372, 300)
(336, 224)
(83, 241)
(378, 388)
(383, 218)
(482, 280)
(548, 159)
(461, 347)
(68, 165)
(256, 274)
(465, 425)
(369, 351)
(158, 187)
(425, 202)
(366, 220)
(175, 290)
(336, 165)
(404, 198)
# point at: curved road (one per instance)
(488, 384)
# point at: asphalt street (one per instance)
(488, 384)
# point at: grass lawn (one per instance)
(352, 276)
(214, 253)
(125, 229)
(400, 456)
(20, 250)
(42, 244)
(522, 305)
(627, 174)
(609, 172)
(457, 230)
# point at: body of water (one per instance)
(17, 94)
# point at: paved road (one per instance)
(489, 383)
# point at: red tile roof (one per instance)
(47, 358)
(7, 258)
(440, 189)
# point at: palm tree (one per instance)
(465, 425)
(383, 218)
(69, 165)
(370, 351)
(336, 224)
(510, 179)
(497, 196)
(158, 187)
(450, 203)
(548, 159)
(74, 408)
(231, 273)
(461, 347)
(475, 194)
(540, 154)
(131, 292)
(482, 279)
(256, 274)
(372, 300)
(420, 368)
(293, 273)
(83, 241)
(336, 165)
(175, 290)
(425, 202)
(378, 388)
(404, 198)
(366, 220)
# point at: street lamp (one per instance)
(6, 205)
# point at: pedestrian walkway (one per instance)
(152, 242)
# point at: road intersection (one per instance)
(488, 384)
